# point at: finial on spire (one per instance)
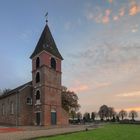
(46, 16)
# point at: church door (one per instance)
(53, 117)
(38, 118)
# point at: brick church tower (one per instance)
(46, 77)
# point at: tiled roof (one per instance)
(47, 43)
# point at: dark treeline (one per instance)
(106, 114)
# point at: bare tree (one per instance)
(6, 90)
(122, 114)
(79, 115)
(86, 117)
(0, 92)
(93, 115)
(133, 114)
(111, 112)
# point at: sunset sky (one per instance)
(99, 40)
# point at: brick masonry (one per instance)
(45, 108)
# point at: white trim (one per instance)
(37, 111)
(47, 53)
(53, 110)
(37, 102)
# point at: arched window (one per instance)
(53, 63)
(38, 95)
(37, 77)
(37, 62)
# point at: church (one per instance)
(38, 102)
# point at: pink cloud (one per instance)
(79, 88)
(106, 18)
(115, 18)
(130, 94)
(110, 1)
(134, 9)
(102, 85)
(107, 12)
(133, 108)
(122, 12)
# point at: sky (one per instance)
(98, 39)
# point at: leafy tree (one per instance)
(93, 115)
(103, 112)
(133, 114)
(122, 114)
(69, 100)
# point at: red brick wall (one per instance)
(22, 111)
(45, 58)
(50, 89)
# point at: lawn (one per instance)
(108, 132)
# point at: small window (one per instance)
(29, 101)
(53, 63)
(45, 45)
(12, 108)
(37, 62)
(37, 77)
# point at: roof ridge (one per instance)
(16, 89)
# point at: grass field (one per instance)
(108, 132)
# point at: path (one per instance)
(32, 132)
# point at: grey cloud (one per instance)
(108, 54)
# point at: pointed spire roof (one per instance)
(46, 43)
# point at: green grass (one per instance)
(108, 132)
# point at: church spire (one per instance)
(46, 43)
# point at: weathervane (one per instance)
(46, 16)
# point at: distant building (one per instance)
(37, 102)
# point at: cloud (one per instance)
(135, 28)
(115, 18)
(106, 18)
(133, 108)
(122, 12)
(98, 15)
(134, 9)
(130, 94)
(94, 14)
(102, 85)
(110, 1)
(79, 88)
